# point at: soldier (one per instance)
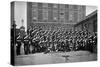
(77, 44)
(64, 45)
(85, 41)
(56, 43)
(32, 45)
(67, 44)
(89, 43)
(71, 44)
(50, 42)
(37, 47)
(18, 41)
(95, 43)
(26, 44)
(42, 44)
(74, 43)
(81, 43)
(92, 43)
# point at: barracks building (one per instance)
(89, 23)
(54, 16)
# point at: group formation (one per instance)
(38, 40)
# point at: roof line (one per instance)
(86, 17)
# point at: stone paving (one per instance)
(55, 57)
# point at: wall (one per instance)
(89, 24)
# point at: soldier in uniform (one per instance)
(30, 45)
(26, 44)
(33, 43)
(74, 43)
(18, 41)
(64, 45)
(37, 47)
(81, 43)
(89, 44)
(67, 44)
(71, 44)
(85, 42)
(95, 43)
(77, 44)
(56, 43)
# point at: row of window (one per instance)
(60, 6)
(54, 16)
(65, 13)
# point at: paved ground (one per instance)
(55, 57)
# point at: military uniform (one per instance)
(26, 44)
(18, 46)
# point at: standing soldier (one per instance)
(74, 43)
(33, 45)
(52, 42)
(56, 45)
(85, 42)
(26, 44)
(67, 44)
(77, 44)
(81, 41)
(18, 46)
(89, 43)
(71, 44)
(95, 43)
(30, 44)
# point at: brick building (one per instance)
(89, 23)
(56, 15)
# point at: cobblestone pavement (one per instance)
(55, 57)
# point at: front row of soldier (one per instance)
(55, 44)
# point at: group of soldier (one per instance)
(39, 40)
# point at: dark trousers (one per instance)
(26, 48)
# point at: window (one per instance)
(45, 14)
(40, 5)
(34, 5)
(55, 6)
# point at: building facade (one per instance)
(54, 13)
(12, 12)
(88, 24)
